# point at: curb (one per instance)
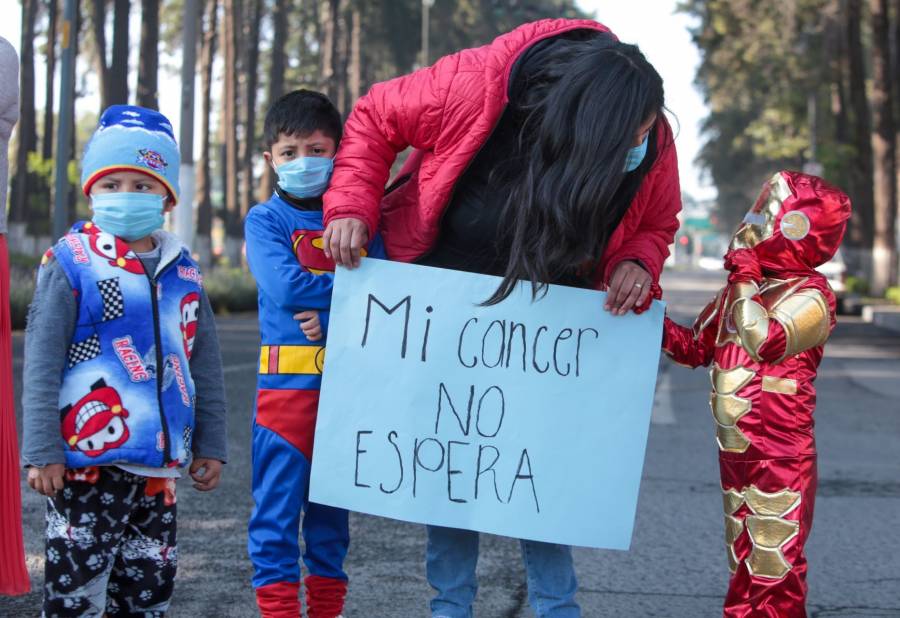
(885, 316)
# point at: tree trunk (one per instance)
(896, 67)
(148, 67)
(861, 224)
(23, 182)
(49, 89)
(330, 47)
(354, 71)
(118, 82)
(884, 254)
(204, 193)
(341, 95)
(229, 118)
(70, 112)
(835, 49)
(280, 16)
(251, 65)
(98, 29)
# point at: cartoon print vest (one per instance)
(127, 395)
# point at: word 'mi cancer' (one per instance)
(498, 343)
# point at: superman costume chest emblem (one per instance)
(308, 246)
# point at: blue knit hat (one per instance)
(132, 138)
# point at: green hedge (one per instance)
(230, 290)
(20, 293)
(893, 294)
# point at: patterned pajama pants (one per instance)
(110, 545)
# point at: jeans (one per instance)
(450, 566)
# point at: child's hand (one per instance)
(310, 324)
(47, 480)
(742, 265)
(209, 479)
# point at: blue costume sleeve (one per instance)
(376, 248)
(276, 269)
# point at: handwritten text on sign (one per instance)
(523, 419)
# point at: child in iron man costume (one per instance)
(764, 335)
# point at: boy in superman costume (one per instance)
(764, 335)
(294, 279)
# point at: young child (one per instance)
(123, 380)
(284, 250)
(764, 335)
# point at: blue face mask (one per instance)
(129, 216)
(305, 176)
(636, 155)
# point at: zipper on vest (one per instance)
(160, 372)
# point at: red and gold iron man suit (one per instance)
(764, 335)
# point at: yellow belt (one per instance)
(291, 359)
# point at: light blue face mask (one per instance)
(129, 216)
(305, 176)
(635, 156)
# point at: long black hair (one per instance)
(579, 100)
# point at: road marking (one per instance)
(664, 406)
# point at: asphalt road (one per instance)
(676, 566)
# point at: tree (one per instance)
(26, 131)
(204, 180)
(148, 68)
(354, 70)
(758, 93)
(69, 110)
(861, 228)
(113, 75)
(50, 55)
(250, 66)
(281, 14)
(331, 45)
(229, 123)
(118, 83)
(884, 254)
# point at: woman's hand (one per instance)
(629, 287)
(344, 239)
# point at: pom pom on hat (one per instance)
(132, 138)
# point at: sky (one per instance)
(660, 32)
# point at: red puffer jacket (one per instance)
(447, 112)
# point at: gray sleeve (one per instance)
(51, 323)
(210, 435)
